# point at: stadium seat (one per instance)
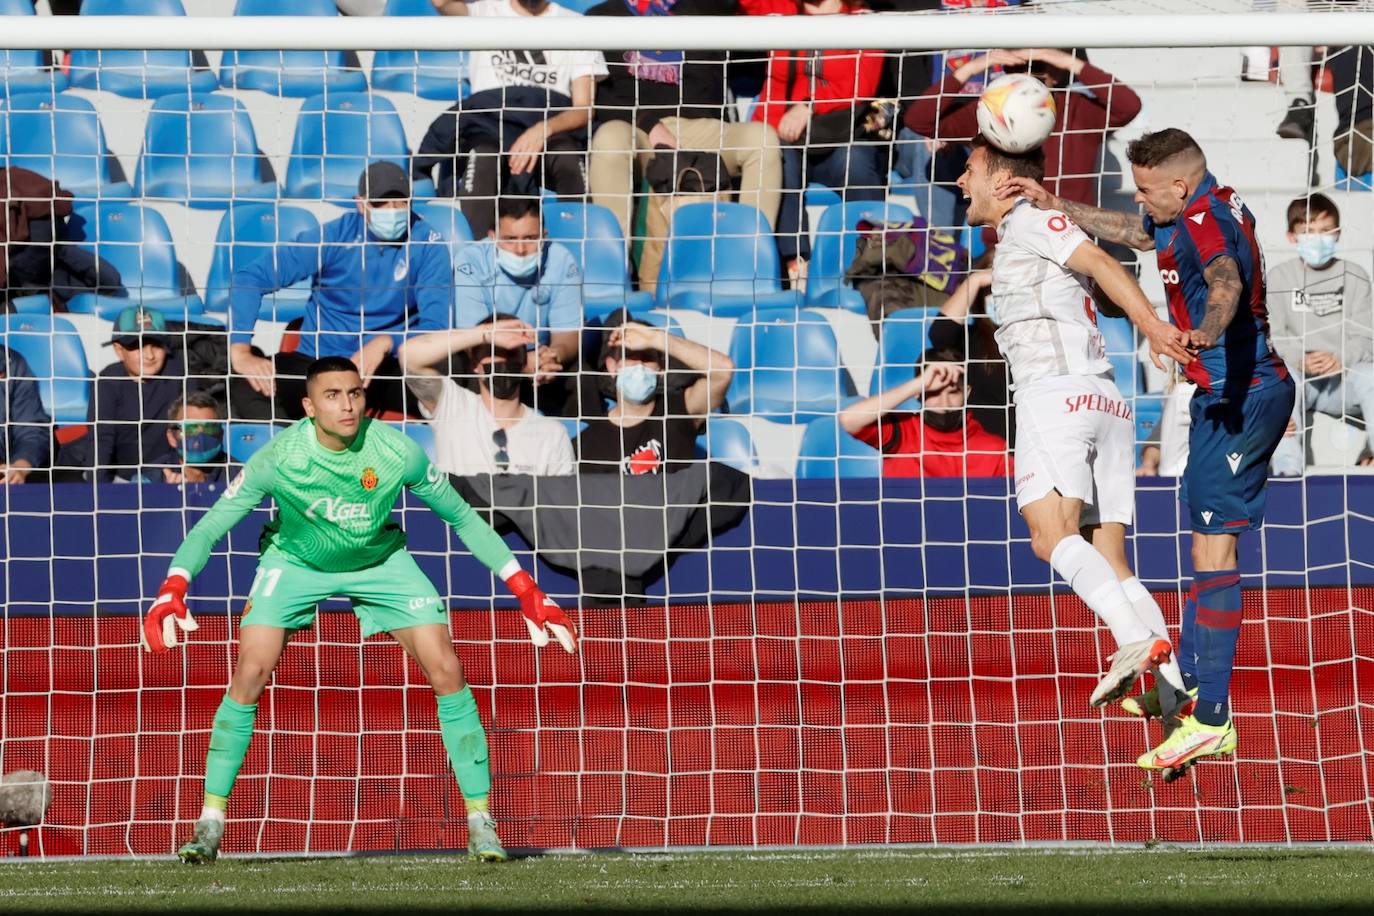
(137, 242)
(593, 236)
(1346, 182)
(728, 441)
(296, 74)
(721, 258)
(243, 440)
(827, 451)
(1121, 352)
(837, 239)
(1149, 409)
(31, 305)
(819, 195)
(440, 75)
(448, 219)
(137, 74)
(249, 231)
(24, 71)
(787, 366)
(201, 150)
(60, 137)
(53, 350)
(355, 129)
(904, 336)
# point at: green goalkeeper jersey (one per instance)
(334, 508)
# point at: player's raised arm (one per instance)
(542, 615)
(1121, 289)
(1112, 225)
(248, 489)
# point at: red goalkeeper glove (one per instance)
(542, 615)
(167, 613)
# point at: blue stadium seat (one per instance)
(593, 236)
(355, 129)
(137, 74)
(32, 305)
(728, 441)
(827, 451)
(421, 432)
(819, 195)
(787, 366)
(573, 425)
(60, 137)
(23, 71)
(296, 74)
(1149, 409)
(249, 231)
(201, 149)
(53, 350)
(1346, 182)
(904, 336)
(1119, 334)
(837, 239)
(438, 75)
(137, 242)
(721, 258)
(447, 218)
(242, 440)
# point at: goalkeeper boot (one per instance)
(483, 842)
(204, 845)
(1189, 743)
(1129, 662)
(1150, 705)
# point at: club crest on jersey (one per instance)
(369, 479)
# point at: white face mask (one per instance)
(388, 223)
(636, 383)
(517, 265)
(1317, 249)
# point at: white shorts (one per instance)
(1076, 434)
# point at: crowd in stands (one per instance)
(493, 341)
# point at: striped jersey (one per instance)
(1046, 322)
(1217, 223)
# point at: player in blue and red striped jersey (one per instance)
(1213, 271)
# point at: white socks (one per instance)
(1149, 613)
(209, 813)
(1093, 579)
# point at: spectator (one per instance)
(134, 396)
(27, 426)
(379, 274)
(518, 272)
(654, 99)
(652, 426)
(31, 263)
(1295, 73)
(817, 101)
(965, 326)
(196, 436)
(489, 432)
(943, 440)
(1321, 319)
(945, 113)
(527, 118)
(1352, 82)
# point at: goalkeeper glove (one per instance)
(167, 613)
(541, 612)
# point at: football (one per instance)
(1016, 113)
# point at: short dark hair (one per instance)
(941, 355)
(1019, 165)
(1302, 209)
(519, 207)
(1154, 149)
(329, 364)
(201, 399)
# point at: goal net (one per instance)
(779, 644)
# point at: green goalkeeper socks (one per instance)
(466, 744)
(229, 738)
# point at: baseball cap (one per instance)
(381, 180)
(137, 326)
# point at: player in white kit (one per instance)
(1075, 433)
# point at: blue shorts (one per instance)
(1229, 446)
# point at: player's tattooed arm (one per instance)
(1110, 225)
(1224, 288)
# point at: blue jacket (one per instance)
(27, 425)
(362, 287)
(550, 299)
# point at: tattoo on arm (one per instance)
(1109, 225)
(1223, 296)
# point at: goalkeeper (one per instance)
(335, 476)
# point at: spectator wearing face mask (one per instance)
(651, 427)
(488, 431)
(943, 439)
(378, 275)
(196, 436)
(1321, 319)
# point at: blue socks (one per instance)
(1187, 641)
(1212, 648)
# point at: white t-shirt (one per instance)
(1047, 325)
(464, 443)
(553, 70)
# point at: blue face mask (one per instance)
(201, 442)
(388, 224)
(517, 265)
(636, 383)
(1317, 249)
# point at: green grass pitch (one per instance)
(1157, 881)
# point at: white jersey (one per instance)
(555, 70)
(1046, 323)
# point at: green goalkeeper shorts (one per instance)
(392, 595)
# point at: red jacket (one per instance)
(1081, 125)
(912, 449)
(829, 80)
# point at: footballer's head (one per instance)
(334, 396)
(986, 169)
(1168, 166)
